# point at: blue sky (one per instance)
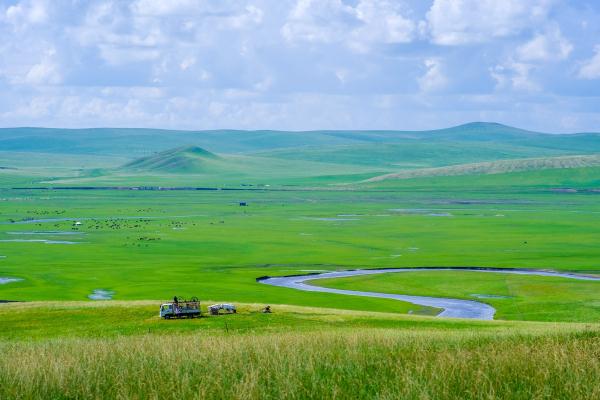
(300, 64)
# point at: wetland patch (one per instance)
(5, 280)
(101, 294)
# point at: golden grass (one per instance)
(345, 364)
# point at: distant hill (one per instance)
(496, 167)
(134, 143)
(185, 159)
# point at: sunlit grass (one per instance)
(364, 363)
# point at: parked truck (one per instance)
(181, 308)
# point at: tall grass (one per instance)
(370, 363)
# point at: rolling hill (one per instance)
(496, 167)
(134, 143)
(115, 156)
(186, 159)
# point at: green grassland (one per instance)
(40, 321)
(121, 350)
(517, 297)
(140, 243)
(310, 209)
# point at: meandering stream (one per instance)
(453, 308)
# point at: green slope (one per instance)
(185, 167)
(496, 167)
(416, 154)
(185, 159)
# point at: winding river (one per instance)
(452, 308)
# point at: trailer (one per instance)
(181, 308)
(228, 308)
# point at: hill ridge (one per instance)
(187, 158)
(495, 167)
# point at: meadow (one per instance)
(293, 353)
(100, 218)
(515, 297)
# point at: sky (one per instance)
(300, 64)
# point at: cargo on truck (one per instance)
(181, 308)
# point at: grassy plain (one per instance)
(141, 244)
(121, 350)
(309, 210)
(154, 244)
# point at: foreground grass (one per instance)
(121, 349)
(344, 364)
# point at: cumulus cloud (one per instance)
(149, 30)
(45, 72)
(359, 27)
(119, 37)
(319, 21)
(514, 75)
(458, 22)
(26, 13)
(434, 78)
(548, 46)
(543, 49)
(590, 69)
(162, 7)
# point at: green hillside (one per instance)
(496, 167)
(414, 154)
(180, 160)
(115, 156)
(134, 143)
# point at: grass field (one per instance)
(121, 350)
(517, 297)
(309, 208)
(139, 244)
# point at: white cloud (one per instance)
(457, 22)
(153, 30)
(514, 75)
(250, 17)
(36, 107)
(434, 78)
(318, 21)
(590, 69)
(187, 63)
(548, 46)
(26, 13)
(39, 71)
(334, 21)
(165, 7)
(46, 72)
(119, 37)
(382, 21)
(225, 13)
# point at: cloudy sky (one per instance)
(300, 64)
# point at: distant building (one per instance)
(243, 204)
